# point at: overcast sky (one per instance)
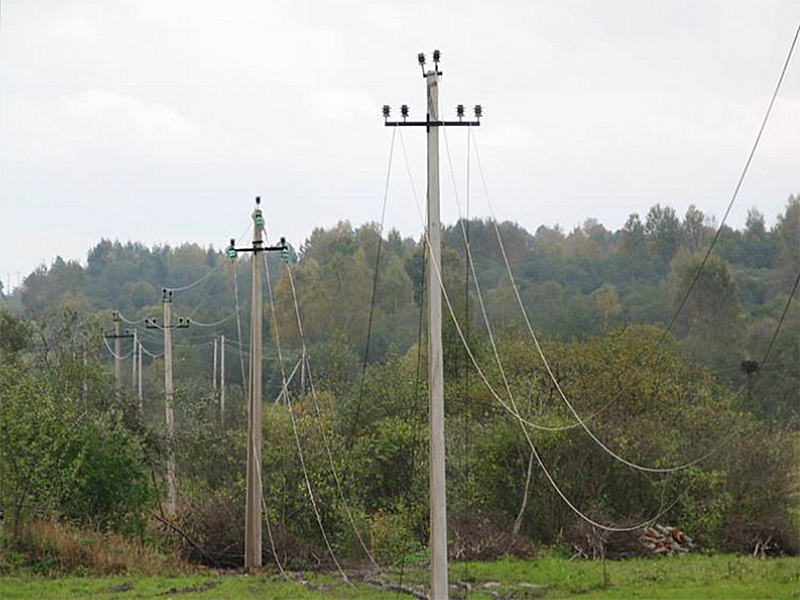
(160, 120)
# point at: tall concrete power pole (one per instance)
(117, 354)
(438, 495)
(169, 393)
(139, 374)
(214, 368)
(134, 358)
(253, 514)
(169, 397)
(222, 380)
(252, 544)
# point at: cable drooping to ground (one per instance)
(539, 350)
(513, 409)
(373, 296)
(294, 425)
(320, 422)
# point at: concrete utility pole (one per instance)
(118, 336)
(117, 354)
(139, 373)
(438, 496)
(253, 508)
(134, 358)
(169, 393)
(253, 514)
(214, 369)
(222, 380)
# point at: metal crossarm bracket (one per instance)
(181, 324)
(432, 123)
(257, 247)
(114, 336)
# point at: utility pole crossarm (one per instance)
(432, 123)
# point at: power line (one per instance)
(208, 274)
(114, 354)
(780, 323)
(238, 321)
(515, 413)
(294, 425)
(130, 322)
(373, 298)
(215, 323)
(321, 424)
(473, 359)
(736, 189)
(549, 370)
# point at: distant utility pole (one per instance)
(214, 368)
(253, 515)
(222, 380)
(169, 392)
(118, 336)
(139, 373)
(134, 358)
(438, 497)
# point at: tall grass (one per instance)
(51, 548)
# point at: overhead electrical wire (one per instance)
(738, 186)
(150, 354)
(208, 274)
(129, 322)
(539, 350)
(294, 426)
(416, 427)
(373, 296)
(473, 359)
(265, 513)
(513, 409)
(238, 322)
(192, 321)
(780, 323)
(289, 380)
(710, 248)
(114, 354)
(325, 441)
(582, 422)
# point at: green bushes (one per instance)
(660, 412)
(57, 461)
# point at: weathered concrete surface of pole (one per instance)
(117, 355)
(134, 360)
(169, 397)
(222, 380)
(252, 541)
(139, 373)
(214, 369)
(438, 498)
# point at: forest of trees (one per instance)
(601, 300)
(573, 284)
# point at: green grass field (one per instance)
(693, 577)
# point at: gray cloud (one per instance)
(159, 121)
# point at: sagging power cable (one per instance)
(513, 409)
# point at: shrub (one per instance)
(61, 460)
